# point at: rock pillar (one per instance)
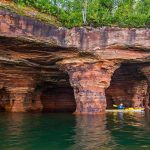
(17, 99)
(89, 81)
(147, 99)
(146, 71)
(36, 101)
(139, 94)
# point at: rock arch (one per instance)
(48, 97)
(129, 86)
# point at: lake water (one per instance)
(113, 131)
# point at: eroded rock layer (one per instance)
(39, 63)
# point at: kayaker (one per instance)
(120, 106)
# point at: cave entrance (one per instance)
(54, 98)
(58, 99)
(128, 86)
(4, 99)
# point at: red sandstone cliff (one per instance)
(35, 56)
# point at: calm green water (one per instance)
(68, 132)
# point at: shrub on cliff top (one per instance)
(123, 13)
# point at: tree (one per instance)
(124, 13)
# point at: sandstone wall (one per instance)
(33, 52)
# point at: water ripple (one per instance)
(113, 131)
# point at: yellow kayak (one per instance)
(126, 110)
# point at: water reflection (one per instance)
(129, 130)
(36, 131)
(91, 133)
(147, 116)
(68, 132)
(11, 131)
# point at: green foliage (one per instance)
(123, 13)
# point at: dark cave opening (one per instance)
(54, 98)
(128, 86)
(4, 99)
(58, 99)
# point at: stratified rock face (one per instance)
(83, 38)
(33, 53)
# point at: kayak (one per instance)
(126, 110)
